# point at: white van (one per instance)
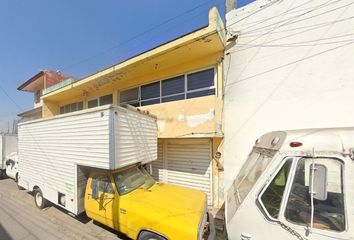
(295, 185)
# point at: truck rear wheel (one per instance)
(150, 236)
(39, 200)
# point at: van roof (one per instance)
(320, 139)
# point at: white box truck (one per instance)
(92, 160)
(8, 145)
(295, 185)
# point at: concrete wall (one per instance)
(291, 67)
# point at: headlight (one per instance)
(202, 223)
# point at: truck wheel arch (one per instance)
(148, 233)
(39, 199)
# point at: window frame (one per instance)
(94, 178)
(282, 216)
(91, 99)
(286, 190)
(99, 99)
(185, 93)
(69, 105)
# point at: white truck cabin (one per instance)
(8, 144)
(295, 185)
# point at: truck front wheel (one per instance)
(150, 236)
(39, 200)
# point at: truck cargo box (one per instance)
(54, 152)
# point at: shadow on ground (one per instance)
(4, 234)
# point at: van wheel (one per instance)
(150, 236)
(39, 200)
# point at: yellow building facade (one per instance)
(181, 83)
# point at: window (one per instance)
(37, 96)
(203, 79)
(272, 197)
(328, 213)
(71, 107)
(191, 85)
(103, 184)
(92, 103)
(173, 89)
(107, 99)
(150, 93)
(247, 177)
(130, 96)
(132, 178)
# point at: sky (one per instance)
(82, 37)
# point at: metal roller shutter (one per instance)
(185, 162)
(158, 166)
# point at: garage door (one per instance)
(185, 162)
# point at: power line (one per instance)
(139, 35)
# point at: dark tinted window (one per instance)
(172, 86)
(149, 102)
(129, 95)
(201, 79)
(201, 93)
(151, 90)
(80, 105)
(173, 98)
(92, 103)
(107, 99)
(67, 108)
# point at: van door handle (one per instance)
(246, 236)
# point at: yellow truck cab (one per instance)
(130, 201)
(91, 160)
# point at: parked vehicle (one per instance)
(93, 161)
(11, 163)
(295, 185)
(8, 144)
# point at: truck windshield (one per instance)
(132, 178)
(256, 163)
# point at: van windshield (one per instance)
(254, 166)
(132, 178)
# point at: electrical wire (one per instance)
(138, 35)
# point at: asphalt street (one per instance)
(20, 219)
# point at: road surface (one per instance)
(20, 219)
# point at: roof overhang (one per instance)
(34, 83)
(192, 46)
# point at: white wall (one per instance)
(292, 67)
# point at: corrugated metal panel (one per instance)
(185, 162)
(135, 138)
(50, 149)
(158, 166)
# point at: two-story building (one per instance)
(180, 82)
(44, 79)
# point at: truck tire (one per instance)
(150, 236)
(39, 200)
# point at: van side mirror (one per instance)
(94, 187)
(319, 185)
